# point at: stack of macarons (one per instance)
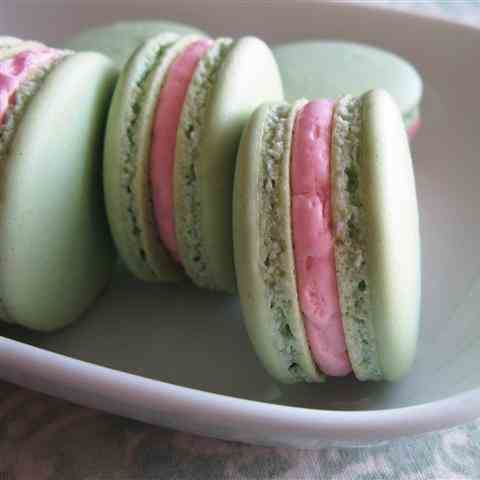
(306, 207)
(316, 253)
(309, 69)
(55, 249)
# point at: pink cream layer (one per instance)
(313, 238)
(14, 70)
(162, 154)
(413, 129)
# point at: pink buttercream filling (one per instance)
(313, 238)
(162, 154)
(14, 70)
(413, 129)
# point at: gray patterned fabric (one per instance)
(42, 438)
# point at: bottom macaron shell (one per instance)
(55, 250)
(128, 138)
(264, 256)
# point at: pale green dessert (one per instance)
(56, 254)
(214, 109)
(119, 40)
(330, 69)
(375, 238)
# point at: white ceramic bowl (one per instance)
(179, 357)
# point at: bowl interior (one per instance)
(197, 339)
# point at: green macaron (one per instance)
(119, 40)
(375, 239)
(330, 69)
(231, 78)
(56, 254)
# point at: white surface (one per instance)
(171, 351)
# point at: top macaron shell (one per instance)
(55, 249)
(119, 40)
(330, 69)
(393, 248)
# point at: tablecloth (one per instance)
(43, 438)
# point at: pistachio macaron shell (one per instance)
(119, 40)
(10, 46)
(248, 76)
(7, 41)
(256, 285)
(389, 197)
(56, 254)
(125, 176)
(330, 69)
(7, 44)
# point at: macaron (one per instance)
(174, 125)
(326, 238)
(56, 253)
(119, 40)
(329, 69)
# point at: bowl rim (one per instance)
(42, 370)
(52, 373)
